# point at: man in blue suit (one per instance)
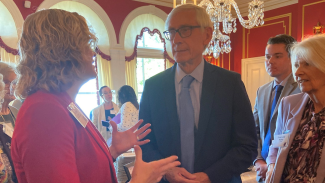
(198, 111)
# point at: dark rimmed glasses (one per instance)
(184, 32)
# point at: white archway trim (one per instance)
(150, 9)
(16, 15)
(96, 8)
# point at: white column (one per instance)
(118, 68)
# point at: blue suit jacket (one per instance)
(225, 142)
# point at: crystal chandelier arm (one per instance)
(206, 3)
(255, 16)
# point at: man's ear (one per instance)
(207, 35)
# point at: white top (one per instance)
(195, 88)
(99, 116)
(129, 116)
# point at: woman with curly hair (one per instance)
(54, 141)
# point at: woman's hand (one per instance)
(269, 173)
(151, 172)
(123, 141)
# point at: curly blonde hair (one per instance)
(52, 51)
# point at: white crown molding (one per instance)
(97, 9)
(155, 2)
(150, 9)
(16, 15)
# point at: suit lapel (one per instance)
(291, 122)
(170, 104)
(209, 85)
(101, 113)
(287, 90)
(267, 107)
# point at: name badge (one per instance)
(113, 112)
(78, 114)
(281, 140)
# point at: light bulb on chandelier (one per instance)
(220, 13)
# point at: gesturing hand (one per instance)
(123, 141)
(261, 168)
(180, 175)
(151, 172)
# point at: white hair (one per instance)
(6, 69)
(2, 90)
(202, 17)
(311, 50)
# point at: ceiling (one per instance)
(242, 4)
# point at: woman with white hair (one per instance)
(54, 141)
(297, 153)
(7, 123)
(7, 174)
(9, 77)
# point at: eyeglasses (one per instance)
(184, 32)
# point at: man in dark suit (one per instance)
(198, 111)
(277, 65)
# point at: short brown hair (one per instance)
(285, 39)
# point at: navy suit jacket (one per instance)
(225, 142)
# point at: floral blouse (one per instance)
(6, 171)
(306, 149)
(129, 116)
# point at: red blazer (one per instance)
(50, 145)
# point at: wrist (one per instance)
(113, 152)
(259, 162)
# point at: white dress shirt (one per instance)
(195, 88)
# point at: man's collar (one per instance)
(283, 83)
(197, 73)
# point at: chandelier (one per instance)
(220, 14)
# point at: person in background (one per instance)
(301, 120)
(8, 113)
(53, 141)
(7, 119)
(129, 108)
(198, 111)
(7, 173)
(104, 112)
(268, 97)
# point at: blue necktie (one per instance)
(267, 140)
(186, 117)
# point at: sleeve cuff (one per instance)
(256, 160)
